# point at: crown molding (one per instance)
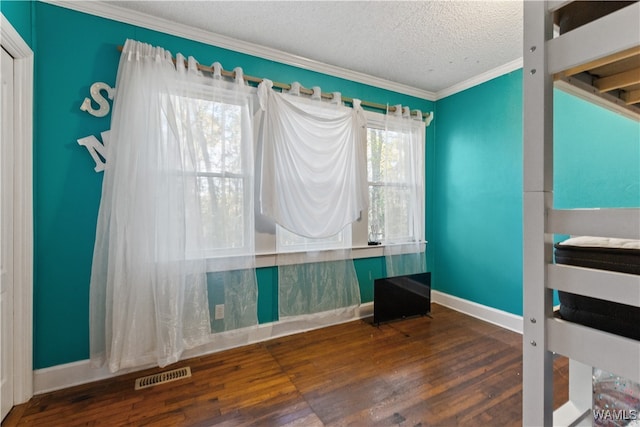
(480, 78)
(127, 16)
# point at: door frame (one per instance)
(23, 61)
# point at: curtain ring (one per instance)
(239, 75)
(295, 89)
(317, 93)
(180, 63)
(193, 66)
(217, 70)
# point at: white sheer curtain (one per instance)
(316, 276)
(402, 169)
(313, 169)
(176, 196)
(313, 163)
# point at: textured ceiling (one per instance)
(429, 45)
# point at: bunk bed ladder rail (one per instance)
(581, 343)
(544, 334)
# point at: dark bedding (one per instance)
(620, 319)
(578, 13)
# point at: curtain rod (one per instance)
(285, 86)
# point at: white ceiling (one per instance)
(428, 45)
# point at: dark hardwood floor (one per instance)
(447, 370)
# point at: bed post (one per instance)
(537, 389)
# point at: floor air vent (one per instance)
(162, 377)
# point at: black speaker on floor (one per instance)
(401, 296)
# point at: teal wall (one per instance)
(597, 156)
(478, 194)
(19, 14)
(478, 172)
(67, 190)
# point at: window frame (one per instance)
(377, 121)
(245, 102)
(266, 242)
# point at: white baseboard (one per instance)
(81, 372)
(500, 318)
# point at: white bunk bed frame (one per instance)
(544, 334)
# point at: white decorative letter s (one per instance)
(99, 99)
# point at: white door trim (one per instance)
(23, 210)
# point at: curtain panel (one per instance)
(176, 196)
(188, 156)
(319, 281)
(313, 167)
(403, 197)
(313, 184)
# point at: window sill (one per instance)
(271, 259)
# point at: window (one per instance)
(221, 182)
(395, 174)
(224, 193)
(221, 157)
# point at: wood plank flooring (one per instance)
(449, 370)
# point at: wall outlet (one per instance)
(219, 314)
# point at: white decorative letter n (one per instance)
(96, 149)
